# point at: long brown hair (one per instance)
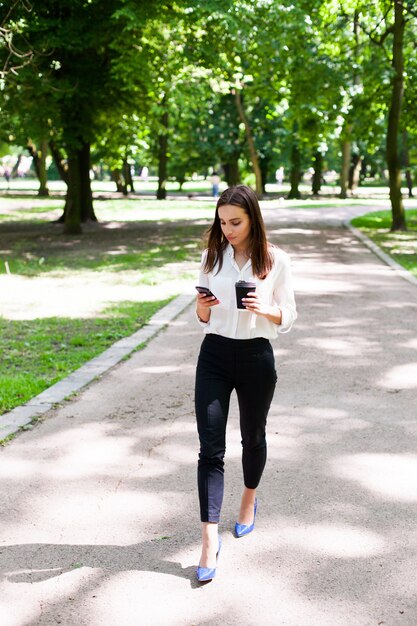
(245, 198)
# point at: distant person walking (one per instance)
(144, 173)
(279, 175)
(215, 183)
(236, 354)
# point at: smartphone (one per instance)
(205, 290)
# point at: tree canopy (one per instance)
(193, 86)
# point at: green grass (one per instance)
(35, 214)
(38, 353)
(136, 235)
(136, 242)
(16, 209)
(318, 204)
(31, 256)
(400, 245)
(30, 184)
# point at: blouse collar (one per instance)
(231, 252)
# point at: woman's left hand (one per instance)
(253, 303)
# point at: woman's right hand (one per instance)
(206, 301)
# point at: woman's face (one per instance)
(236, 225)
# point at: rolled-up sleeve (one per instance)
(203, 281)
(284, 293)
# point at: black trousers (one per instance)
(224, 364)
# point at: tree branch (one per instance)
(6, 35)
(408, 7)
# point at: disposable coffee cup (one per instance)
(243, 287)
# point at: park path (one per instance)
(99, 519)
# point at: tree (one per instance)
(385, 26)
(76, 83)
(207, 133)
(14, 50)
(394, 117)
(240, 65)
(66, 84)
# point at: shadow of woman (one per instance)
(35, 563)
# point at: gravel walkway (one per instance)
(99, 519)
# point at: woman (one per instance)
(236, 354)
(215, 183)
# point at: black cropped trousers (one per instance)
(248, 366)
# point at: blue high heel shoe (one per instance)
(245, 529)
(204, 574)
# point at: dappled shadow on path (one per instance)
(100, 501)
(49, 560)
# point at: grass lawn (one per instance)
(138, 244)
(21, 209)
(401, 246)
(38, 353)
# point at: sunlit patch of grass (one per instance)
(400, 245)
(153, 210)
(40, 352)
(129, 209)
(325, 204)
(33, 254)
(24, 209)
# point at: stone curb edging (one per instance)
(379, 253)
(21, 416)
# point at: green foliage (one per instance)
(110, 71)
(205, 137)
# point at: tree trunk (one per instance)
(344, 172)
(61, 164)
(116, 176)
(86, 199)
(124, 174)
(355, 172)
(406, 160)
(394, 116)
(72, 212)
(43, 178)
(161, 193)
(127, 174)
(348, 127)
(295, 172)
(318, 173)
(251, 144)
(231, 172)
(264, 165)
(79, 200)
(409, 181)
(60, 161)
(39, 162)
(13, 173)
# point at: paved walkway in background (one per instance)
(99, 518)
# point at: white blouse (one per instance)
(276, 289)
